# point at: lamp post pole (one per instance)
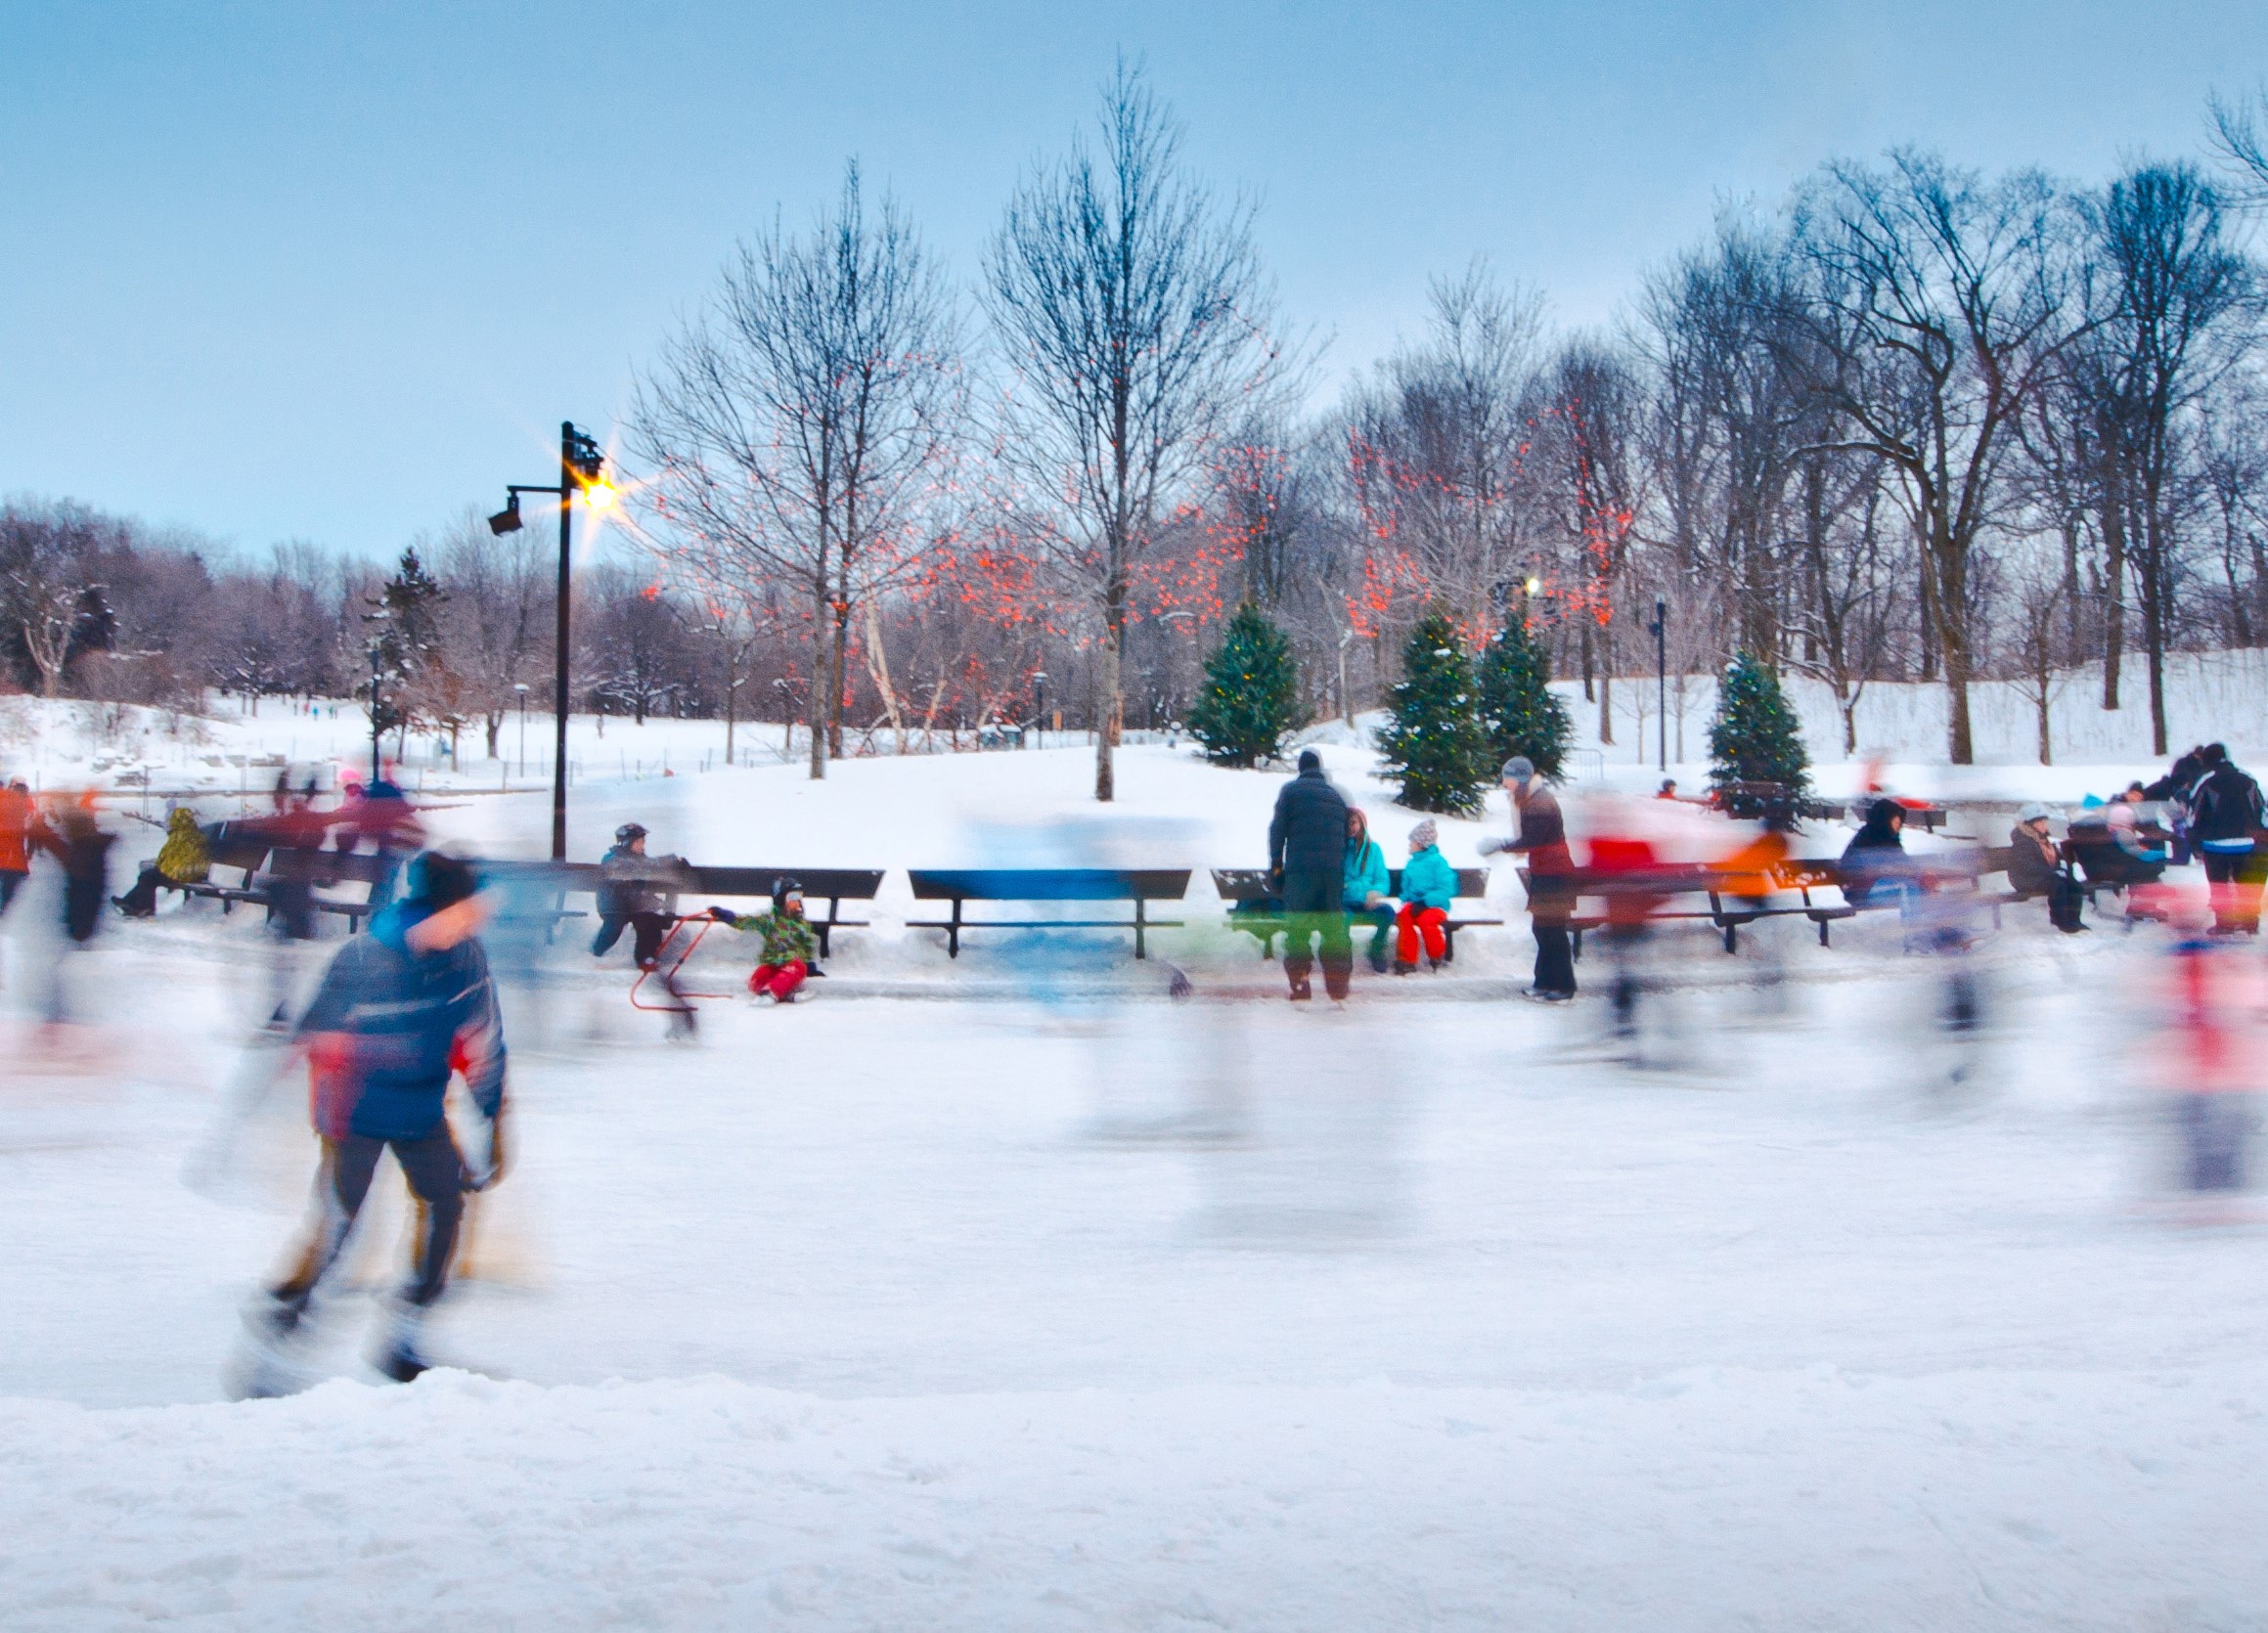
(1662, 680)
(568, 453)
(521, 688)
(1039, 708)
(580, 468)
(375, 770)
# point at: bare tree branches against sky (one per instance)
(337, 273)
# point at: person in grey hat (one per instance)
(1542, 839)
(2035, 868)
(1306, 852)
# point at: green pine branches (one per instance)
(1519, 710)
(1250, 700)
(1434, 741)
(1761, 768)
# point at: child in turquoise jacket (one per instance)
(1429, 888)
(1368, 886)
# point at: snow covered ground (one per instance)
(1078, 1307)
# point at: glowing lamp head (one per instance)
(600, 494)
(1535, 585)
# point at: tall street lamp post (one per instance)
(1660, 630)
(582, 470)
(521, 688)
(1038, 707)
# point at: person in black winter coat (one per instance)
(1307, 851)
(1874, 861)
(2225, 824)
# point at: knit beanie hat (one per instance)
(1422, 836)
(1518, 769)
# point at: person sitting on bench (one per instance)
(1429, 889)
(1367, 883)
(181, 860)
(1873, 868)
(2035, 868)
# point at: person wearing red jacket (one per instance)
(15, 852)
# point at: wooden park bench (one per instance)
(1727, 911)
(240, 852)
(1248, 892)
(833, 885)
(963, 885)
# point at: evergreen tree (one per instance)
(1250, 700)
(1519, 710)
(1435, 743)
(1761, 768)
(405, 641)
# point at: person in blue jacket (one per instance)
(1429, 889)
(1368, 885)
(400, 1010)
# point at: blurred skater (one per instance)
(1542, 839)
(1429, 889)
(1307, 851)
(2226, 820)
(14, 831)
(789, 951)
(399, 1010)
(635, 892)
(630, 896)
(1367, 884)
(2209, 1055)
(67, 831)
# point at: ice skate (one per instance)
(269, 1362)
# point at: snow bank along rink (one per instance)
(1118, 1312)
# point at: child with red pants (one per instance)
(788, 944)
(1429, 886)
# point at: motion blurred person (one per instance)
(67, 832)
(2210, 1054)
(1429, 889)
(629, 898)
(1367, 885)
(382, 817)
(15, 829)
(1542, 839)
(2035, 868)
(1307, 851)
(398, 1011)
(2225, 826)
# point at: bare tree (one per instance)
(796, 431)
(2163, 343)
(1133, 318)
(1941, 306)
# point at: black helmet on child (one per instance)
(440, 880)
(782, 888)
(628, 832)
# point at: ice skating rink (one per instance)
(892, 1312)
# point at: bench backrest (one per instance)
(1049, 884)
(1471, 881)
(1252, 884)
(847, 884)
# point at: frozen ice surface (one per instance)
(925, 1304)
(878, 1312)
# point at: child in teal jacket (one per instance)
(1429, 888)
(1367, 885)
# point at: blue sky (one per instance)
(337, 271)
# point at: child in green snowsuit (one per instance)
(789, 946)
